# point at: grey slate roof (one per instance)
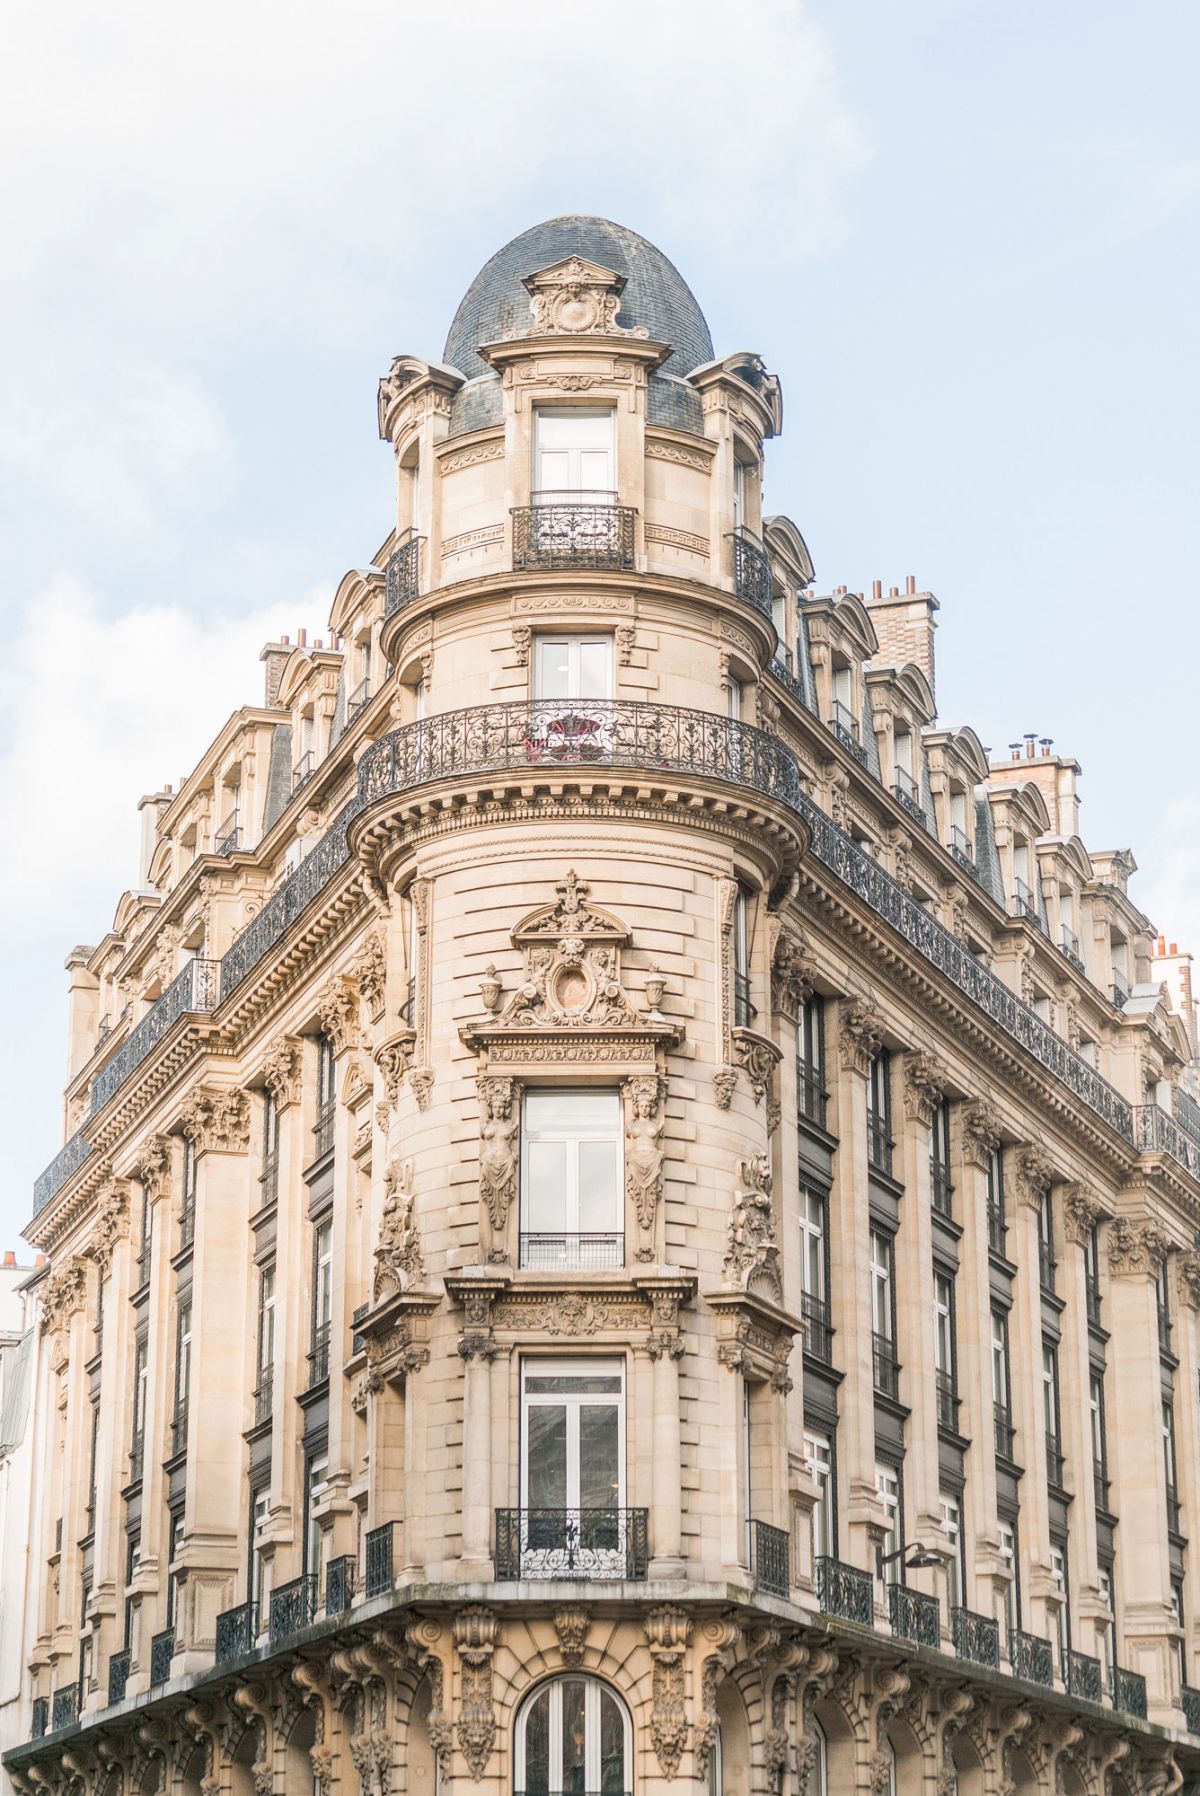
(987, 859)
(655, 295)
(279, 774)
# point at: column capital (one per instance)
(1136, 1246)
(1081, 1212)
(925, 1081)
(860, 1033)
(1034, 1174)
(980, 1131)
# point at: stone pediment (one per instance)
(574, 298)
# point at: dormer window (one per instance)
(1023, 901)
(905, 785)
(1068, 939)
(959, 843)
(574, 453)
(842, 720)
(1120, 970)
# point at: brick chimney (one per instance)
(904, 623)
(275, 656)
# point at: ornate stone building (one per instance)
(628, 1210)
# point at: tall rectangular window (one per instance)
(1099, 1440)
(1162, 1292)
(951, 1513)
(264, 1381)
(996, 1220)
(574, 453)
(1001, 1396)
(1170, 1466)
(818, 1331)
(315, 1487)
(575, 668)
(572, 1187)
(1059, 1578)
(1091, 1273)
(1181, 1642)
(944, 1357)
(269, 1176)
(939, 1159)
(322, 1301)
(810, 1061)
(145, 1240)
(1046, 1261)
(879, 1112)
(743, 1010)
(883, 1314)
(572, 1464)
(326, 1095)
(141, 1373)
(887, 1488)
(260, 1504)
(1106, 1643)
(187, 1202)
(133, 1560)
(819, 1448)
(1050, 1415)
(183, 1374)
(1007, 1533)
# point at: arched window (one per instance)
(818, 1782)
(573, 1739)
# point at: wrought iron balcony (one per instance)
(1187, 1113)
(941, 1189)
(1158, 1133)
(339, 1584)
(751, 571)
(118, 1676)
(193, 992)
(379, 1575)
(264, 1398)
(1081, 1675)
(770, 1558)
(64, 1165)
(566, 530)
(597, 1544)
(908, 796)
(845, 726)
(1191, 1708)
(879, 1143)
(947, 1401)
(573, 1253)
(162, 1651)
(1005, 1432)
(1031, 1657)
(818, 1329)
(237, 1631)
(1070, 948)
(812, 1095)
(65, 1709)
(845, 1590)
(976, 1637)
(39, 1717)
(228, 836)
(402, 574)
(304, 769)
(358, 701)
(1120, 989)
(318, 1355)
(1128, 1692)
(1023, 903)
(293, 1606)
(914, 1616)
(886, 1366)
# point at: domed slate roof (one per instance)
(656, 294)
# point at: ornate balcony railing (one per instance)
(914, 1616)
(293, 1606)
(378, 1573)
(886, 1366)
(65, 1709)
(976, 1637)
(845, 726)
(845, 1590)
(1187, 1113)
(1129, 1692)
(1082, 1677)
(1031, 1657)
(237, 1631)
(1023, 903)
(770, 1558)
(39, 1717)
(286, 904)
(118, 1676)
(304, 769)
(1191, 1708)
(64, 1165)
(959, 844)
(596, 1544)
(403, 573)
(339, 1584)
(228, 836)
(751, 571)
(358, 701)
(564, 530)
(192, 992)
(818, 1329)
(573, 1253)
(1159, 1133)
(1120, 989)
(162, 1651)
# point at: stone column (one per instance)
(1187, 1431)
(924, 1084)
(477, 1349)
(1031, 1173)
(980, 1137)
(1080, 1212)
(665, 1347)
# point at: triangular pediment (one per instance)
(574, 271)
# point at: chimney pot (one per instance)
(286, 640)
(877, 589)
(893, 592)
(318, 644)
(40, 1260)
(302, 638)
(10, 1258)
(910, 585)
(1174, 947)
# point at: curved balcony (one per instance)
(565, 530)
(751, 571)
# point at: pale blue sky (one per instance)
(964, 235)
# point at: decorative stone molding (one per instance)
(459, 459)
(791, 973)
(1080, 1214)
(475, 1630)
(337, 1008)
(699, 459)
(216, 1122)
(752, 1253)
(356, 1086)
(644, 1155)
(724, 1086)
(394, 1060)
(1136, 1247)
(758, 1057)
(719, 1638)
(1033, 1174)
(64, 1292)
(1187, 1266)
(498, 1131)
(668, 1630)
(571, 1624)
(282, 1069)
(153, 1167)
(370, 970)
(925, 1080)
(569, 1314)
(626, 635)
(572, 966)
(522, 638)
(398, 1259)
(111, 1225)
(421, 1079)
(860, 1034)
(980, 1132)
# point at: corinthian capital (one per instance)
(980, 1132)
(924, 1085)
(1136, 1245)
(1033, 1173)
(1080, 1214)
(860, 1034)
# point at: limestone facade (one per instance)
(628, 1203)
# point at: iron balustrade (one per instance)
(787, 678)
(1191, 1708)
(65, 1165)
(162, 1651)
(1120, 990)
(1128, 1691)
(1187, 1113)
(118, 1676)
(908, 796)
(886, 1366)
(1159, 1133)
(1069, 947)
(293, 1606)
(264, 1398)
(818, 1328)
(573, 1253)
(1054, 1460)
(751, 571)
(947, 1401)
(358, 701)
(402, 576)
(845, 726)
(318, 1355)
(304, 769)
(811, 1094)
(193, 992)
(228, 834)
(1005, 1431)
(566, 530)
(1023, 902)
(339, 1584)
(770, 1558)
(1031, 1657)
(1082, 1677)
(914, 1616)
(959, 844)
(237, 1631)
(65, 1709)
(976, 1637)
(879, 1143)
(39, 1717)
(378, 1574)
(845, 1590)
(596, 1544)
(286, 904)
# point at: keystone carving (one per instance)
(668, 1630)
(980, 1132)
(281, 1071)
(475, 1639)
(398, 1260)
(924, 1086)
(644, 1155)
(571, 1624)
(753, 1250)
(860, 1034)
(216, 1122)
(1136, 1246)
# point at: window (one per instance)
(572, 1189)
(322, 1303)
(1001, 1398)
(939, 1159)
(133, 1560)
(1091, 1272)
(943, 1350)
(140, 1384)
(813, 1272)
(315, 1488)
(260, 1504)
(736, 699)
(1162, 1293)
(810, 1060)
(1106, 1644)
(996, 1220)
(270, 1156)
(572, 1464)
(879, 1112)
(883, 1324)
(1007, 1532)
(1181, 1643)
(1046, 1261)
(146, 1240)
(574, 453)
(326, 1074)
(819, 1449)
(187, 1202)
(174, 1552)
(572, 667)
(744, 1012)
(1169, 1463)
(887, 1486)
(951, 1514)
(1058, 1576)
(93, 1458)
(1050, 1416)
(1099, 1442)
(183, 1374)
(265, 1375)
(573, 1736)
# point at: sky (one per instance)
(964, 233)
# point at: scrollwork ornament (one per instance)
(980, 1132)
(925, 1081)
(1080, 1214)
(281, 1071)
(668, 1630)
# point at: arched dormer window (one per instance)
(573, 1739)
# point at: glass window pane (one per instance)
(566, 1384)
(598, 1208)
(537, 1745)
(546, 1456)
(612, 1746)
(599, 1456)
(553, 668)
(554, 472)
(574, 1737)
(546, 1172)
(595, 680)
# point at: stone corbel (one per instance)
(338, 1011)
(1033, 1174)
(752, 1246)
(475, 1631)
(757, 1056)
(111, 1225)
(792, 983)
(216, 1121)
(1080, 1214)
(476, 1295)
(668, 1630)
(394, 1060)
(571, 1624)
(281, 1071)
(428, 1647)
(370, 970)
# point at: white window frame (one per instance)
(813, 1219)
(533, 1136)
(950, 1509)
(881, 1287)
(818, 1449)
(613, 1366)
(575, 486)
(943, 1323)
(593, 1687)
